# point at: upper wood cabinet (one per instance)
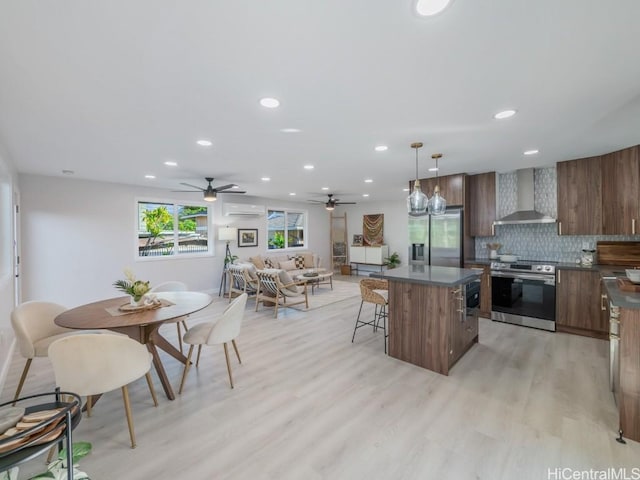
(620, 189)
(451, 188)
(481, 204)
(579, 197)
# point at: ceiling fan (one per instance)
(332, 202)
(210, 193)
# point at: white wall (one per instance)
(78, 235)
(396, 223)
(7, 185)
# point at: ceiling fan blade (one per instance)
(232, 191)
(190, 191)
(193, 186)
(317, 201)
(345, 203)
(224, 187)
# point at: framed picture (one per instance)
(357, 240)
(247, 237)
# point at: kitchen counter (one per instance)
(621, 298)
(428, 275)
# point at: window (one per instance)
(286, 229)
(162, 226)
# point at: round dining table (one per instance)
(141, 325)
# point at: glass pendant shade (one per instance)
(417, 202)
(437, 203)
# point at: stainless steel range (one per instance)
(524, 293)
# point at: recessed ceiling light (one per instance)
(504, 114)
(309, 167)
(68, 172)
(325, 188)
(265, 179)
(365, 194)
(150, 177)
(531, 152)
(292, 194)
(270, 102)
(290, 130)
(368, 180)
(427, 8)
(381, 148)
(204, 143)
(169, 163)
(433, 169)
(405, 189)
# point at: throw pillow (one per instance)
(308, 260)
(258, 262)
(286, 279)
(299, 261)
(268, 263)
(288, 265)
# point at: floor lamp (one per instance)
(226, 234)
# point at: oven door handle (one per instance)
(547, 279)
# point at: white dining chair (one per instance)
(96, 363)
(174, 286)
(35, 330)
(221, 330)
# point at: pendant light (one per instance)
(417, 201)
(437, 203)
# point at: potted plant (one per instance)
(393, 260)
(58, 468)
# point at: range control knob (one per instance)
(547, 268)
(538, 268)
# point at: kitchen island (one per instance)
(429, 322)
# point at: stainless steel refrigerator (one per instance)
(436, 239)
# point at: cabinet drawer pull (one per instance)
(493, 230)
(603, 305)
(559, 228)
(558, 276)
(633, 226)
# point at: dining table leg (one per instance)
(162, 374)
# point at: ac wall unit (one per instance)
(233, 209)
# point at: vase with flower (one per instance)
(136, 289)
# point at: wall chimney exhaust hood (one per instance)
(525, 212)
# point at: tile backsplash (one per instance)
(537, 241)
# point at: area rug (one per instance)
(323, 295)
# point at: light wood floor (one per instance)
(309, 404)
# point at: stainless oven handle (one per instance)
(524, 276)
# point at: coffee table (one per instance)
(320, 278)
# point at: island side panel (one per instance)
(418, 324)
(629, 399)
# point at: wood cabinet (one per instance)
(451, 188)
(481, 204)
(485, 288)
(578, 303)
(629, 383)
(579, 197)
(429, 325)
(620, 192)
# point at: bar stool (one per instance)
(376, 291)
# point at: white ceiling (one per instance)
(112, 89)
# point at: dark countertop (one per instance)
(479, 261)
(428, 275)
(621, 298)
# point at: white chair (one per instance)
(95, 363)
(220, 331)
(33, 326)
(173, 286)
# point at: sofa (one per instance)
(293, 263)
